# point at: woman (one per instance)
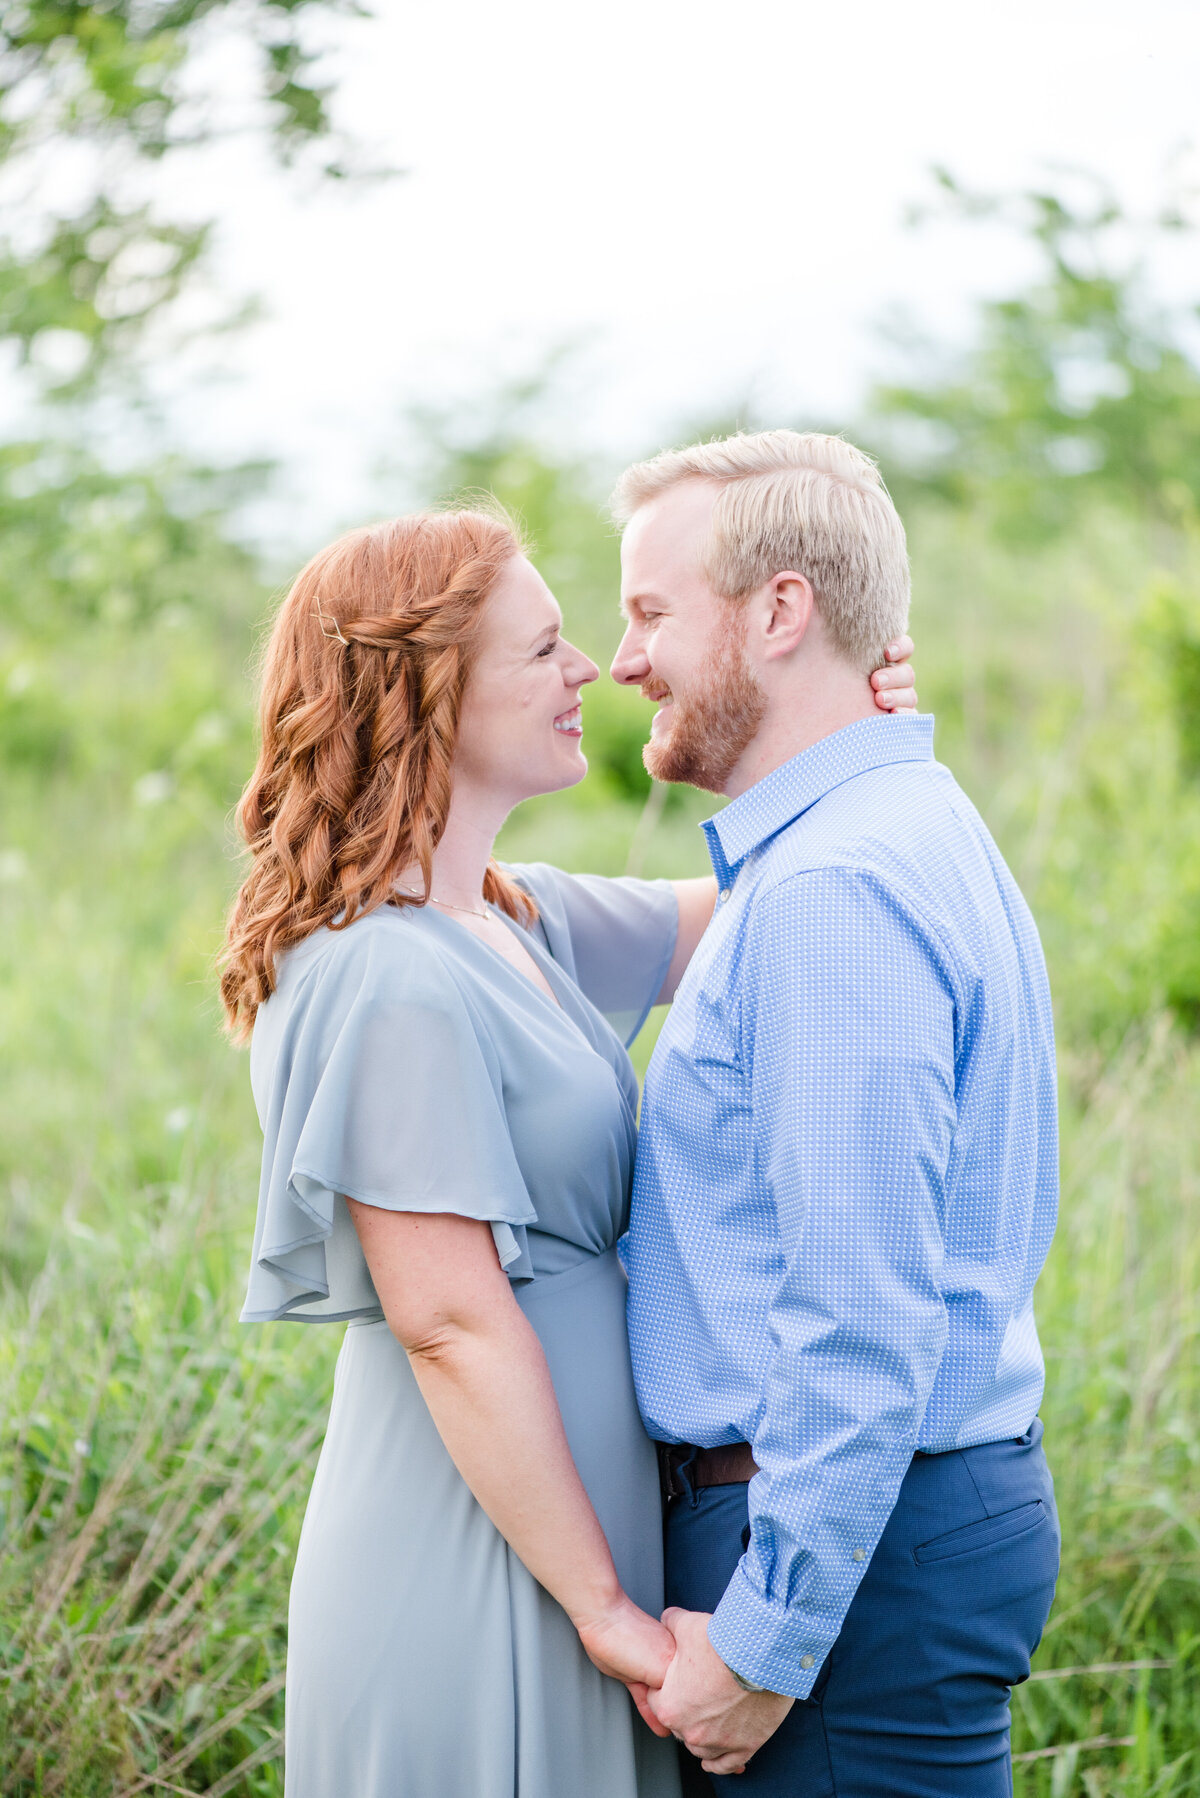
(449, 1123)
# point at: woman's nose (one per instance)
(582, 670)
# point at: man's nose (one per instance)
(630, 665)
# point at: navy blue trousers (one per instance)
(912, 1701)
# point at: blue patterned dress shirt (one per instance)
(846, 1178)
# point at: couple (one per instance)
(845, 1181)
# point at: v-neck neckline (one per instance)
(578, 1015)
(551, 997)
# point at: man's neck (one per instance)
(798, 719)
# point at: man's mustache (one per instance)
(655, 690)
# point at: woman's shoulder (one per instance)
(384, 959)
(375, 988)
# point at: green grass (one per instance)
(1119, 1318)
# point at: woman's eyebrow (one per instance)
(547, 630)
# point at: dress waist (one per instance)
(603, 1266)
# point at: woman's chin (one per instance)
(577, 770)
(568, 771)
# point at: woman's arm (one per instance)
(696, 899)
(483, 1376)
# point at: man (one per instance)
(846, 1182)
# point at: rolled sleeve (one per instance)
(849, 1040)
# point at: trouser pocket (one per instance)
(972, 1538)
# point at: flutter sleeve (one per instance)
(615, 937)
(373, 1081)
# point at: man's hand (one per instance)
(702, 1703)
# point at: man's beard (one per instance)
(711, 731)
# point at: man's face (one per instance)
(684, 645)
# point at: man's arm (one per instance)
(848, 1036)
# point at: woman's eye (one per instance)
(549, 648)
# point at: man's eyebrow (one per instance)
(637, 602)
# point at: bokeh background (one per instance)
(269, 267)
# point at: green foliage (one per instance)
(150, 1513)
(1121, 1328)
(1075, 394)
(118, 76)
(80, 280)
(113, 69)
(81, 546)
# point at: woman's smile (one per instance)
(570, 724)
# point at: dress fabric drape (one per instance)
(403, 1062)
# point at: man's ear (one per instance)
(789, 603)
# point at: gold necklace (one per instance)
(447, 904)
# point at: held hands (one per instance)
(627, 1644)
(680, 1684)
(702, 1703)
(894, 686)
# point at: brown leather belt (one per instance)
(682, 1467)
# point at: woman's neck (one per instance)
(461, 858)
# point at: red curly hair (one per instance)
(362, 684)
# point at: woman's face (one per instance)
(520, 729)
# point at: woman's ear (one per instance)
(788, 611)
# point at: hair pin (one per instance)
(336, 632)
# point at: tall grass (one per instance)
(158, 1469)
(1114, 1705)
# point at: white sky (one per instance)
(710, 196)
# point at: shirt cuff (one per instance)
(776, 1647)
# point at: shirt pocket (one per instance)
(985, 1534)
(716, 1031)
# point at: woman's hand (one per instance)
(894, 686)
(627, 1644)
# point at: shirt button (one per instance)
(723, 895)
(860, 1554)
(806, 1661)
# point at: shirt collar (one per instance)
(788, 791)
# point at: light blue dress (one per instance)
(405, 1063)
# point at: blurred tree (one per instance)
(118, 80)
(124, 606)
(1074, 393)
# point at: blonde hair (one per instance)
(795, 500)
(362, 686)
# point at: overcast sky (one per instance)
(709, 198)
